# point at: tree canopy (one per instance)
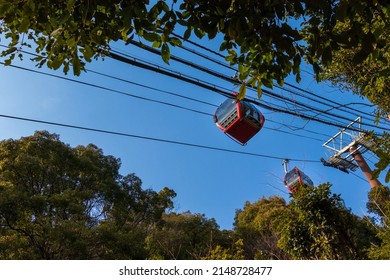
(268, 40)
(379, 205)
(184, 236)
(315, 224)
(319, 226)
(60, 202)
(259, 225)
(366, 77)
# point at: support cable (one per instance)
(232, 80)
(150, 138)
(152, 100)
(214, 88)
(288, 84)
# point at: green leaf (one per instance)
(7, 62)
(9, 51)
(156, 44)
(175, 41)
(164, 6)
(268, 82)
(151, 37)
(187, 33)
(326, 55)
(359, 57)
(232, 52)
(66, 68)
(220, 11)
(76, 63)
(243, 69)
(165, 53)
(297, 61)
(24, 25)
(223, 46)
(36, 58)
(259, 91)
(88, 53)
(298, 78)
(154, 12)
(212, 33)
(241, 92)
(252, 81)
(199, 33)
(55, 64)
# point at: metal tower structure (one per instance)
(347, 148)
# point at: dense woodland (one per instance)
(60, 202)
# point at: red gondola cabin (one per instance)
(238, 119)
(295, 178)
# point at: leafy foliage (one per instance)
(71, 203)
(364, 68)
(259, 225)
(183, 236)
(379, 205)
(72, 32)
(268, 40)
(382, 150)
(235, 252)
(320, 227)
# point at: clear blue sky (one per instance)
(211, 182)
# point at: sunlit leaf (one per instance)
(259, 91)
(165, 53)
(175, 41)
(199, 33)
(151, 37)
(187, 33)
(241, 92)
(76, 65)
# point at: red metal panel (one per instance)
(242, 131)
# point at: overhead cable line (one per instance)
(227, 78)
(186, 78)
(109, 89)
(151, 138)
(152, 100)
(207, 103)
(197, 45)
(295, 128)
(232, 80)
(196, 82)
(286, 83)
(151, 88)
(173, 94)
(179, 76)
(127, 81)
(130, 82)
(214, 105)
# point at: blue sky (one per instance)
(214, 183)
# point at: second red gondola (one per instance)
(296, 178)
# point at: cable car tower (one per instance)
(347, 148)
